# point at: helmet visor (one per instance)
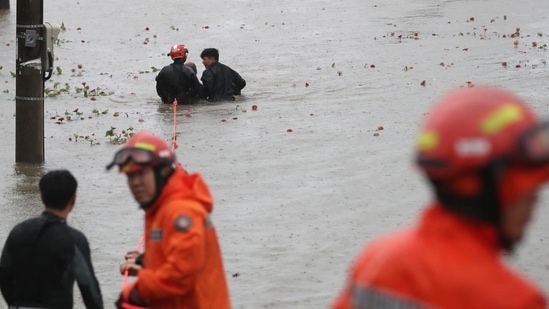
(136, 155)
(529, 167)
(534, 146)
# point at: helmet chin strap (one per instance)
(485, 206)
(160, 181)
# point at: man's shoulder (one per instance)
(182, 206)
(166, 67)
(187, 70)
(224, 66)
(76, 233)
(392, 244)
(27, 225)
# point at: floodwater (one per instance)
(321, 167)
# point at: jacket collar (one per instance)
(439, 221)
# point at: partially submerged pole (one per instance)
(29, 84)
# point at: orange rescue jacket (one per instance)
(182, 264)
(444, 262)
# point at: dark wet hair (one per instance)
(210, 53)
(57, 187)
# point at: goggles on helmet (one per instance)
(136, 155)
(533, 146)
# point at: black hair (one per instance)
(57, 188)
(210, 53)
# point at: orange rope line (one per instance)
(174, 138)
(126, 273)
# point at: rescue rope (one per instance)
(174, 138)
(126, 273)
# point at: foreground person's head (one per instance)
(58, 191)
(148, 162)
(486, 154)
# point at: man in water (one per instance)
(221, 83)
(178, 81)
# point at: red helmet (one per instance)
(178, 51)
(143, 149)
(470, 128)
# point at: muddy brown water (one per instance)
(292, 208)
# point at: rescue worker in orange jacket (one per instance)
(182, 265)
(486, 155)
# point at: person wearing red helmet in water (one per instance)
(178, 81)
(182, 265)
(486, 154)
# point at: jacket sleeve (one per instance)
(208, 82)
(85, 276)
(161, 88)
(183, 245)
(6, 272)
(196, 89)
(239, 83)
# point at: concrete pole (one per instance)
(29, 83)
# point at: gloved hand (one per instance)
(130, 296)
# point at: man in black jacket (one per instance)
(221, 83)
(178, 80)
(43, 256)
